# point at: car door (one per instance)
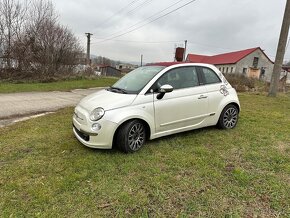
(186, 106)
(215, 89)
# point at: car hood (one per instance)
(107, 100)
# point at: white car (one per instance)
(155, 101)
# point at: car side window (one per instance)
(179, 78)
(210, 76)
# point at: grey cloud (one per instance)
(209, 26)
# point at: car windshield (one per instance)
(134, 82)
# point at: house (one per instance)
(286, 74)
(251, 62)
(107, 70)
(126, 68)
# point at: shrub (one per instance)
(243, 83)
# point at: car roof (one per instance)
(171, 64)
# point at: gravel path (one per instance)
(20, 106)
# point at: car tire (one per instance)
(229, 117)
(131, 136)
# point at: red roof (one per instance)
(196, 58)
(226, 58)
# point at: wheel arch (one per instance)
(235, 104)
(146, 124)
(223, 108)
(225, 103)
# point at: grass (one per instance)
(56, 86)
(244, 172)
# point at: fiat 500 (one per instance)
(155, 101)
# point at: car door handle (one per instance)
(202, 97)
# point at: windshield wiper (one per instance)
(118, 90)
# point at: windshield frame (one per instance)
(118, 88)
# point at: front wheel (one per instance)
(229, 117)
(131, 136)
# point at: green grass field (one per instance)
(57, 86)
(244, 172)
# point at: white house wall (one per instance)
(227, 68)
(247, 62)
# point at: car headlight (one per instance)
(97, 114)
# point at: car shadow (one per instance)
(115, 149)
(186, 133)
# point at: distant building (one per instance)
(126, 67)
(251, 62)
(107, 70)
(285, 74)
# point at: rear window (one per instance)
(210, 77)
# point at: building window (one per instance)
(244, 70)
(262, 75)
(232, 69)
(255, 62)
(223, 70)
(227, 70)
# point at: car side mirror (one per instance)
(164, 89)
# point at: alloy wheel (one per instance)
(136, 136)
(230, 118)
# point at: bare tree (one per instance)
(12, 18)
(32, 36)
(100, 60)
(54, 48)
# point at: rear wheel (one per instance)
(131, 136)
(229, 117)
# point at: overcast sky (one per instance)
(211, 27)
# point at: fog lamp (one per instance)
(96, 126)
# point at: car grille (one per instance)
(82, 135)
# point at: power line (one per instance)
(119, 11)
(212, 46)
(166, 14)
(143, 21)
(133, 11)
(143, 42)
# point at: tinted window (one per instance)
(210, 76)
(179, 78)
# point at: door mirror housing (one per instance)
(165, 89)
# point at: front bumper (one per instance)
(102, 139)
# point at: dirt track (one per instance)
(17, 106)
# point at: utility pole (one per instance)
(141, 60)
(88, 49)
(184, 53)
(280, 52)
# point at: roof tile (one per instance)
(226, 58)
